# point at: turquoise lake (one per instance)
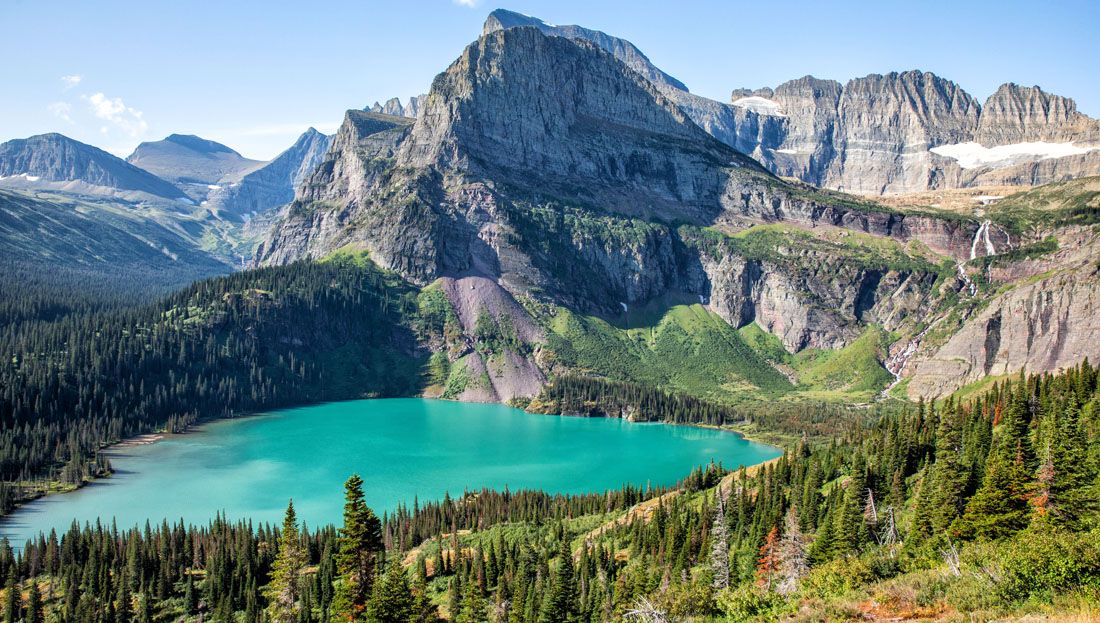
(249, 467)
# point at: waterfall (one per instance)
(982, 235)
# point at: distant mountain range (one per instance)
(70, 207)
(541, 168)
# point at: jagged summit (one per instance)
(877, 134)
(394, 107)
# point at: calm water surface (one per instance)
(249, 467)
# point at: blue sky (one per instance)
(254, 75)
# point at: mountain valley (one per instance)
(891, 282)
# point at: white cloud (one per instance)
(467, 3)
(129, 120)
(61, 110)
(71, 80)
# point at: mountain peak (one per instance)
(502, 19)
(55, 159)
(625, 51)
(192, 160)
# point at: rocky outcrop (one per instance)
(273, 184)
(395, 108)
(58, 162)
(810, 299)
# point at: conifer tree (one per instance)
(949, 475)
(283, 592)
(359, 543)
(124, 613)
(36, 612)
(12, 606)
(560, 604)
(999, 507)
(391, 600)
(849, 522)
(473, 609)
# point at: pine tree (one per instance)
(423, 610)
(560, 604)
(36, 612)
(391, 600)
(190, 599)
(473, 608)
(949, 475)
(125, 609)
(283, 592)
(849, 521)
(360, 542)
(11, 599)
(999, 507)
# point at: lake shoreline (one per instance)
(154, 438)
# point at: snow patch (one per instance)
(624, 307)
(213, 187)
(786, 151)
(759, 105)
(974, 155)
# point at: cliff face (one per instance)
(1017, 114)
(914, 131)
(1046, 325)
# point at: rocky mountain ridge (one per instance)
(877, 134)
